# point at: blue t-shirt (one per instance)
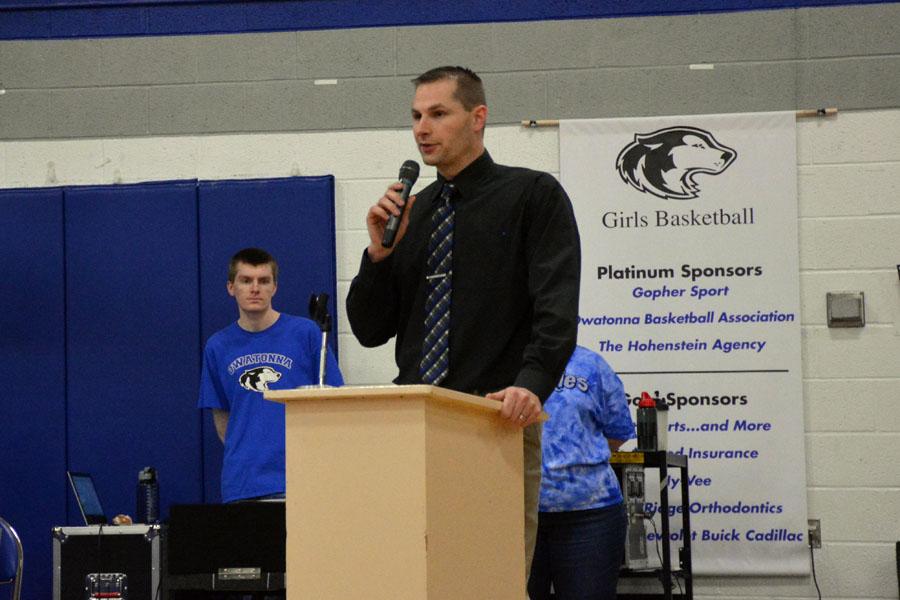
(238, 366)
(587, 407)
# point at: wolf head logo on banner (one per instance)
(665, 162)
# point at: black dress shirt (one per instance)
(516, 270)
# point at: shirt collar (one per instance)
(469, 179)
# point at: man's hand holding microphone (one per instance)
(388, 218)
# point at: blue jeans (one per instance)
(579, 553)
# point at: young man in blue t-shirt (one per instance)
(264, 349)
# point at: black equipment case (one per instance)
(132, 550)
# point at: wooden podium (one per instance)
(401, 493)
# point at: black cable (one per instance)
(675, 576)
(161, 554)
(99, 549)
(656, 535)
(658, 555)
(812, 558)
(650, 518)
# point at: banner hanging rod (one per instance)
(801, 114)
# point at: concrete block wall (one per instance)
(311, 103)
(328, 80)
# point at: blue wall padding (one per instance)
(108, 294)
(99, 18)
(32, 396)
(133, 331)
(291, 218)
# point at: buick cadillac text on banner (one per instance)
(690, 289)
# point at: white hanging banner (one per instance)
(690, 290)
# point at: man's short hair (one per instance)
(469, 89)
(253, 257)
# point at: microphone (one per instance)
(409, 172)
(318, 311)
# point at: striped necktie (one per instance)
(436, 343)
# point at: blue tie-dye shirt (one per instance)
(587, 407)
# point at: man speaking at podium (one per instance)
(481, 285)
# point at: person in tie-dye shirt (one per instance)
(582, 521)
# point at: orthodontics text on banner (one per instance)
(690, 290)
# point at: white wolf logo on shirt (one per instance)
(258, 379)
(665, 162)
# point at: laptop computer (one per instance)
(87, 498)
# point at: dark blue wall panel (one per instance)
(100, 334)
(291, 218)
(223, 17)
(89, 22)
(32, 396)
(92, 18)
(24, 25)
(133, 335)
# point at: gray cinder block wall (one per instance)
(847, 57)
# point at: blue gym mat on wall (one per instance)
(32, 351)
(109, 294)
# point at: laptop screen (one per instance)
(87, 498)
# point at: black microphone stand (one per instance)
(318, 311)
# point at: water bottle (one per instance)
(662, 425)
(646, 423)
(147, 496)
